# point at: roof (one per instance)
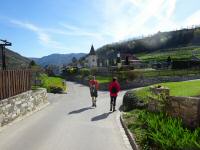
(130, 56)
(92, 51)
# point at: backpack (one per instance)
(114, 90)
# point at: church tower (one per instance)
(92, 58)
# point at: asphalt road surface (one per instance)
(68, 123)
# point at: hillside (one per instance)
(15, 60)
(161, 42)
(57, 59)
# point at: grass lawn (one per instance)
(183, 53)
(184, 88)
(103, 79)
(48, 82)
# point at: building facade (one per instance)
(91, 59)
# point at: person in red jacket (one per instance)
(114, 89)
(94, 86)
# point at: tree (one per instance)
(169, 61)
(32, 63)
(74, 60)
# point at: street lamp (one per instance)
(3, 44)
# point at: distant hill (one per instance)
(57, 59)
(159, 42)
(14, 60)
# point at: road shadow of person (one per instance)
(100, 117)
(80, 110)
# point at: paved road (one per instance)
(68, 123)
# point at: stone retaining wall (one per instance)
(21, 104)
(186, 108)
(140, 82)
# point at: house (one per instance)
(129, 59)
(91, 59)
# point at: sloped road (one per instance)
(68, 123)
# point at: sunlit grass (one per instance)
(184, 88)
(183, 53)
(103, 79)
(48, 82)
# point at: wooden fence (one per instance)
(13, 82)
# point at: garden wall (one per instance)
(139, 82)
(21, 104)
(187, 108)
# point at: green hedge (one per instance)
(52, 84)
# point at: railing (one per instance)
(13, 82)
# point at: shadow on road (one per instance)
(100, 117)
(80, 110)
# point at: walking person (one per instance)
(114, 89)
(94, 85)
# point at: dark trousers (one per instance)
(113, 100)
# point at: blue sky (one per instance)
(41, 27)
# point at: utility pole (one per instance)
(3, 44)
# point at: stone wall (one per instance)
(140, 82)
(186, 108)
(19, 105)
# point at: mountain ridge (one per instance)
(57, 59)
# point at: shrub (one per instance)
(131, 75)
(132, 101)
(52, 84)
(94, 71)
(55, 89)
(85, 72)
(128, 75)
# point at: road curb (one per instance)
(129, 134)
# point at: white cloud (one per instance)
(129, 18)
(43, 36)
(76, 31)
(194, 19)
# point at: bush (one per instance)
(52, 84)
(55, 89)
(72, 71)
(132, 101)
(132, 75)
(128, 75)
(93, 71)
(85, 72)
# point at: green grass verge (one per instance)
(184, 88)
(48, 82)
(103, 79)
(160, 132)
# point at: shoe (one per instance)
(110, 108)
(114, 109)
